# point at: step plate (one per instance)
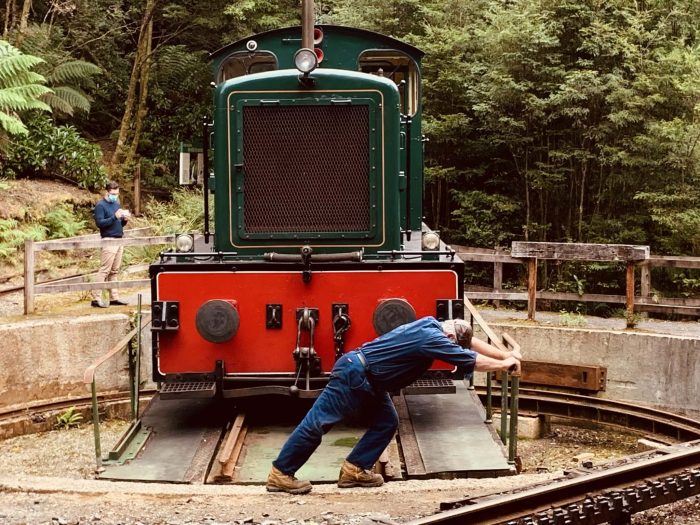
(430, 386)
(188, 390)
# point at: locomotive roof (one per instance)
(371, 36)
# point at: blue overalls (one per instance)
(360, 382)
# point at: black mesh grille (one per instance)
(306, 169)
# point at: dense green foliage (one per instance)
(558, 120)
(50, 151)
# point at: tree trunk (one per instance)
(142, 55)
(24, 21)
(143, 95)
(584, 171)
(9, 15)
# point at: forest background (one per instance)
(547, 120)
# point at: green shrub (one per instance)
(13, 235)
(50, 151)
(184, 213)
(62, 222)
(572, 319)
(70, 418)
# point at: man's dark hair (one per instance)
(112, 185)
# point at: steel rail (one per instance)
(584, 499)
(79, 402)
(605, 411)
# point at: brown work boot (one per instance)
(354, 476)
(280, 482)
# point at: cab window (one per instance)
(246, 63)
(396, 66)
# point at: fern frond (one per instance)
(20, 88)
(25, 91)
(25, 77)
(67, 100)
(57, 104)
(12, 124)
(15, 65)
(74, 71)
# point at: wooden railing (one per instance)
(92, 241)
(632, 256)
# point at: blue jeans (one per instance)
(348, 391)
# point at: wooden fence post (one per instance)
(137, 191)
(497, 276)
(531, 288)
(646, 279)
(28, 277)
(630, 294)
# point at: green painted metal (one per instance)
(130, 444)
(96, 427)
(402, 207)
(504, 407)
(284, 88)
(513, 437)
(341, 46)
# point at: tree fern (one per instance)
(64, 74)
(67, 99)
(75, 71)
(20, 88)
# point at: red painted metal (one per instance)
(256, 349)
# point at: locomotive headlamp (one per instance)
(430, 241)
(184, 242)
(305, 60)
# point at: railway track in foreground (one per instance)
(609, 495)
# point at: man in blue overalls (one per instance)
(361, 380)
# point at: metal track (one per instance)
(79, 403)
(610, 496)
(607, 496)
(604, 411)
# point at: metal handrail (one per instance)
(509, 384)
(134, 377)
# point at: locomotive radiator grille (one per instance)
(306, 169)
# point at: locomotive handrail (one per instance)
(189, 255)
(355, 256)
(509, 403)
(400, 253)
(134, 377)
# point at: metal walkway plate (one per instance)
(262, 445)
(451, 436)
(183, 438)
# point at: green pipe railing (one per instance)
(510, 385)
(134, 351)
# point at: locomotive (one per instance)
(318, 239)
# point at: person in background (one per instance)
(110, 218)
(360, 383)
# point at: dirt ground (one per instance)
(48, 478)
(31, 198)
